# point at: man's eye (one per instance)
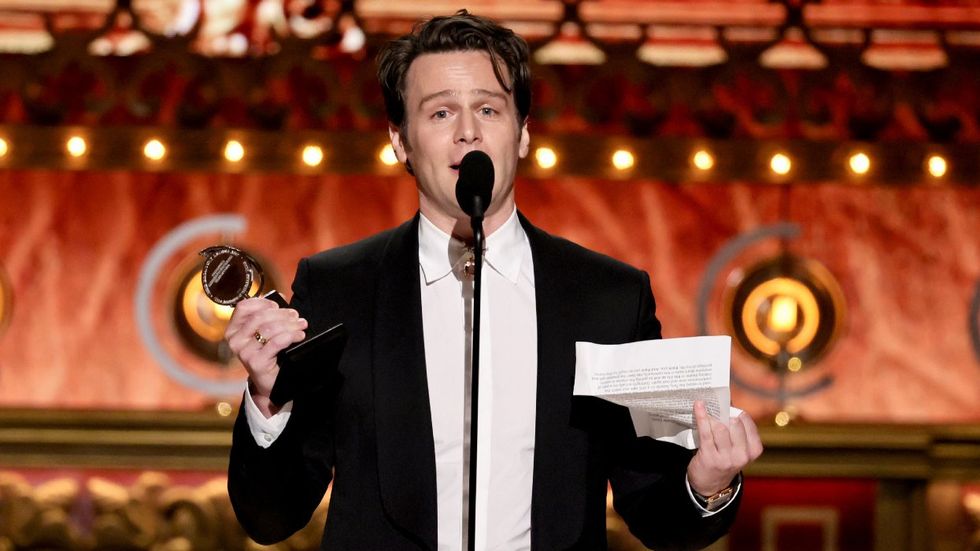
(440, 114)
(488, 111)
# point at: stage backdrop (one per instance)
(908, 260)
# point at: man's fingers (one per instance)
(258, 330)
(724, 450)
(246, 308)
(752, 439)
(270, 327)
(264, 343)
(279, 337)
(722, 436)
(702, 421)
(740, 447)
(284, 339)
(266, 322)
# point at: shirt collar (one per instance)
(441, 254)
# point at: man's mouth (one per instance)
(459, 160)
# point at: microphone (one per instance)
(473, 190)
(475, 184)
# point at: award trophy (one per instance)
(227, 277)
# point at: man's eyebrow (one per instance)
(441, 93)
(453, 93)
(491, 93)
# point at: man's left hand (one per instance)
(723, 451)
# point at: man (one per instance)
(389, 428)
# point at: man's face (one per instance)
(454, 105)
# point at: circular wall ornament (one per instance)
(150, 272)
(785, 308)
(796, 298)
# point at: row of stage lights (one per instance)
(780, 164)
(546, 158)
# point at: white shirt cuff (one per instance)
(705, 512)
(265, 430)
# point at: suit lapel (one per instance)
(558, 493)
(406, 457)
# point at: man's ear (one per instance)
(397, 143)
(525, 141)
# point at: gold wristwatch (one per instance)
(718, 499)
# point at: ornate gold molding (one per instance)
(114, 439)
(888, 451)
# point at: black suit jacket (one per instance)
(369, 429)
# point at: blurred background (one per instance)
(801, 175)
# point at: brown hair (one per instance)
(458, 32)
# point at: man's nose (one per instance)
(468, 129)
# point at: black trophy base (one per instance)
(306, 365)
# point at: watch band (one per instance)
(720, 498)
(716, 500)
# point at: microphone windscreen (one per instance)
(475, 180)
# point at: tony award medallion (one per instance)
(228, 275)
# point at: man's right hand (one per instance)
(259, 330)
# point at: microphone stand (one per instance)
(476, 222)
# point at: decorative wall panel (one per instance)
(908, 261)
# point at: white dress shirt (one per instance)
(508, 385)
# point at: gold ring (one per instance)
(262, 340)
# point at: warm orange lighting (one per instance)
(793, 51)
(859, 163)
(570, 47)
(791, 316)
(794, 364)
(782, 313)
(623, 160)
(703, 160)
(154, 150)
(312, 155)
(234, 151)
(387, 155)
(3, 147)
(546, 157)
(76, 146)
(780, 164)
(937, 166)
(224, 409)
(222, 312)
(782, 419)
